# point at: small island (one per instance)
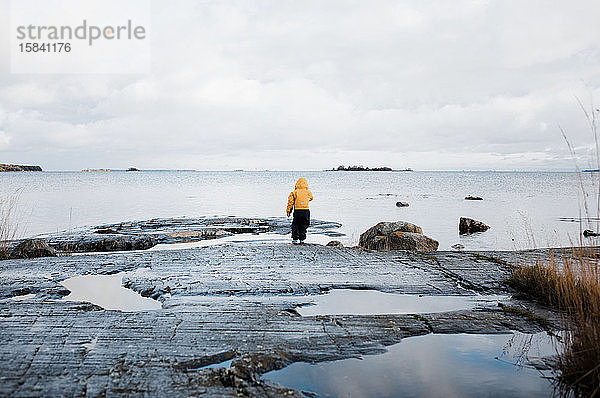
(362, 168)
(16, 167)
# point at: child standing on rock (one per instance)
(298, 200)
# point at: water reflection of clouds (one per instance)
(371, 302)
(433, 366)
(107, 292)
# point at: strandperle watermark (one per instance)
(84, 31)
(73, 36)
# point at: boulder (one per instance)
(32, 248)
(469, 226)
(401, 204)
(335, 243)
(402, 241)
(588, 233)
(386, 228)
(398, 235)
(473, 198)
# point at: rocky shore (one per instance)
(16, 167)
(142, 235)
(53, 347)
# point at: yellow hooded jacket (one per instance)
(300, 197)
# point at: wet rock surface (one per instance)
(56, 348)
(141, 235)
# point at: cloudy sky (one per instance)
(282, 84)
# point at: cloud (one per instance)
(252, 85)
(4, 139)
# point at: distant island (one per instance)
(362, 168)
(129, 169)
(16, 167)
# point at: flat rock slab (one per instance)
(58, 348)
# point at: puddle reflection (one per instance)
(373, 302)
(107, 292)
(459, 365)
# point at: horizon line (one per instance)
(99, 170)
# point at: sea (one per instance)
(524, 209)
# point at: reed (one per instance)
(9, 223)
(570, 281)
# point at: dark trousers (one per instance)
(300, 223)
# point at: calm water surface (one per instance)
(524, 209)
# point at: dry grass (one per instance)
(570, 283)
(8, 222)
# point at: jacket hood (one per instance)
(301, 183)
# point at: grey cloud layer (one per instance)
(429, 85)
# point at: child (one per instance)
(298, 200)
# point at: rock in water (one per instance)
(588, 233)
(469, 226)
(401, 204)
(335, 243)
(473, 198)
(398, 235)
(458, 246)
(32, 248)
